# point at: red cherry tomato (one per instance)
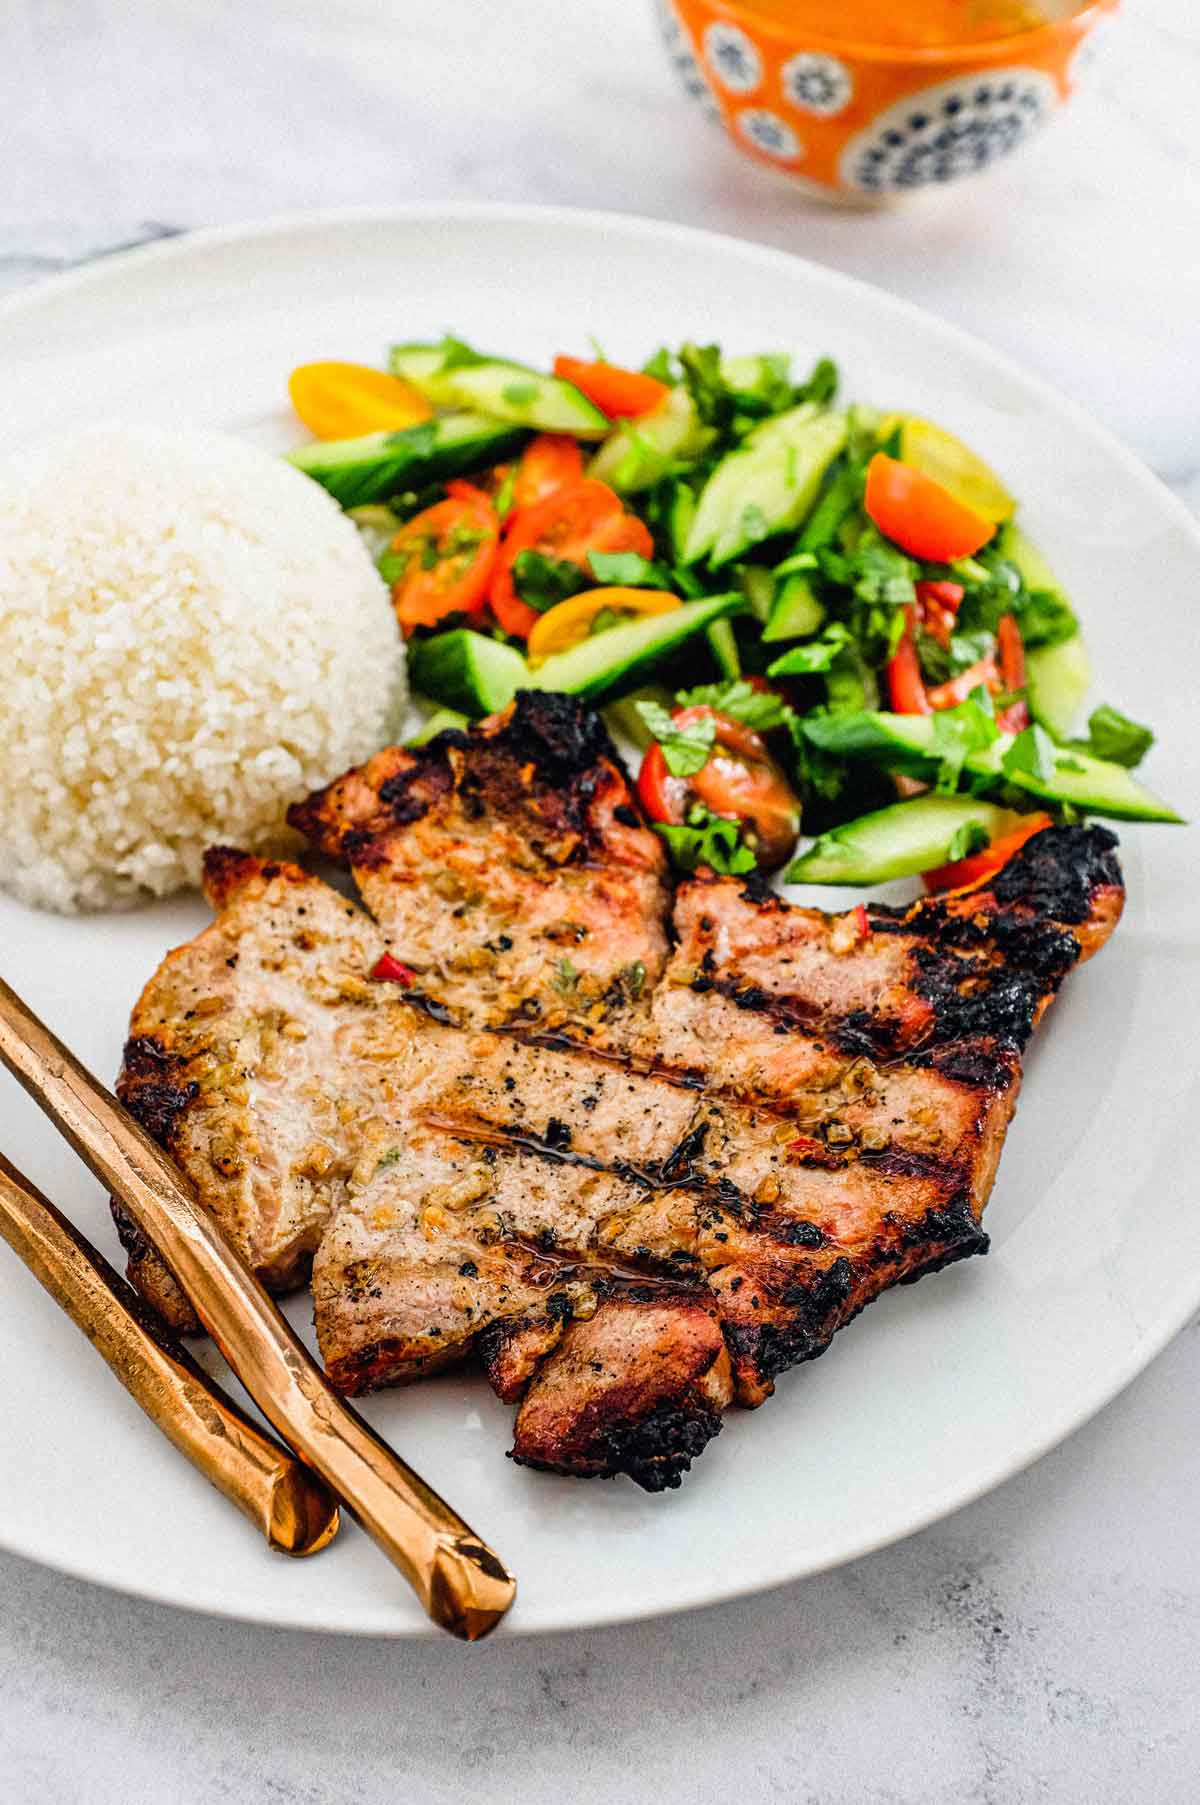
(566, 526)
(1010, 653)
(740, 781)
(989, 861)
(550, 462)
(919, 515)
(448, 554)
(906, 688)
(621, 394)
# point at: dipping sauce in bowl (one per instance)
(866, 100)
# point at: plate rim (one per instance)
(198, 243)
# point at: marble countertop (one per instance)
(1040, 1645)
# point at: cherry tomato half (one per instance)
(919, 515)
(550, 462)
(741, 781)
(448, 554)
(619, 393)
(566, 526)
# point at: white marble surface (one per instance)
(1042, 1645)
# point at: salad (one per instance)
(806, 616)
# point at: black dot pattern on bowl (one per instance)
(955, 129)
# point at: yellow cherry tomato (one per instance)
(344, 401)
(572, 621)
(937, 453)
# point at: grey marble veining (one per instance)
(1040, 1645)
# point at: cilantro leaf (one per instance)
(707, 839)
(544, 582)
(629, 570)
(1114, 736)
(814, 655)
(754, 708)
(685, 748)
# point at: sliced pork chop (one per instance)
(635, 1201)
(508, 869)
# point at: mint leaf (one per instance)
(1114, 736)
(544, 582)
(814, 655)
(629, 570)
(685, 748)
(1032, 752)
(707, 839)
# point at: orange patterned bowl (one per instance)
(870, 120)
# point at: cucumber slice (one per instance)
(383, 464)
(796, 612)
(1057, 679)
(502, 390)
(767, 486)
(467, 671)
(1035, 572)
(758, 587)
(724, 648)
(906, 743)
(598, 664)
(438, 722)
(1094, 785)
(638, 452)
(900, 841)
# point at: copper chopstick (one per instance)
(292, 1507)
(461, 1583)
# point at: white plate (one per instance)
(941, 1390)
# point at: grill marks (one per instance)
(639, 1180)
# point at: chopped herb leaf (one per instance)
(543, 582)
(458, 355)
(565, 976)
(661, 366)
(629, 570)
(755, 708)
(814, 655)
(685, 749)
(820, 384)
(707, 839)
(1114, 736)
(1032, 751)
(970, 838)
(957, 732)
(1045, 618)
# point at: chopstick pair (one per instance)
(461, 1583)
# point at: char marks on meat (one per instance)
(638, 1152)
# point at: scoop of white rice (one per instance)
(191, 637)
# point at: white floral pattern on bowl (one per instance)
(816, 83)
(767, 132)
(733, 58)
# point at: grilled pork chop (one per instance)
(638, 1172)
